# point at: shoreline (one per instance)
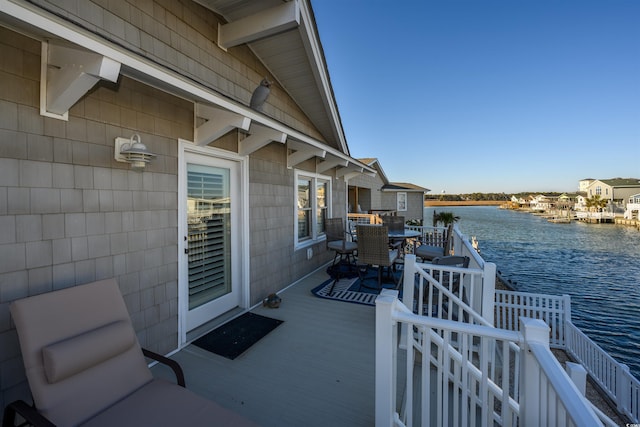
(429, 203)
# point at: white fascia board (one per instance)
(317, 58)
(34, 16)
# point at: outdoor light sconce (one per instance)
(133, 151)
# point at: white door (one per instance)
(210, 277)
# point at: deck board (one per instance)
(316, 369)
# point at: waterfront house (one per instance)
(542, 202)
(229, 162)
(583, 184)
(566, 201)
(616, 190)
(632, 210)
(374, 193)
(581, 202)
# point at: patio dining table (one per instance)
(404, 235)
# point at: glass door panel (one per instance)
(209, 233)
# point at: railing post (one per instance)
(488, 292)
(578, 375)
(384, 377)
(623, 388)
(408, 281)
(536, 331)
(566, 306)
(408, 288)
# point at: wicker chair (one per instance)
(395, 223)
(373, 250)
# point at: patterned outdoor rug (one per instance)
(349, 290)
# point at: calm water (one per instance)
(598, 265)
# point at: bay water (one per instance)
(598, 265)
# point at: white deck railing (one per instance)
(462, 374)
(552, 309)
(613, 377)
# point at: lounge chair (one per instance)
(85, 367)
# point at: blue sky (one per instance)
(464, 96)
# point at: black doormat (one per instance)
(235, 337)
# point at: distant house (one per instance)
(566, 201)
(632, 210)
(583, 184)
(542, 202)
(581, 202)
(616, 190)
(374, 193)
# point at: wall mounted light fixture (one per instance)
(133, 151)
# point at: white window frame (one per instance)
(401, 201)
(315, 235)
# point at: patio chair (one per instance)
(85, 367)
(373, 251)
(395, 224)
(341, 242)
(429, 252)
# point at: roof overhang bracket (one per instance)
(260, 137)
(303, 152)
(331, 162)
(260, 25)
(218, 123)
(67, 74)
(349, 172)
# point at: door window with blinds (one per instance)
(209, 233)
(312, 207)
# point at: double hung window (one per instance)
(313, 193)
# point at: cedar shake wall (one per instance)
(274, 262)
(70, 214)
(181, 36)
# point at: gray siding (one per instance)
(71, 214)
(181, 36)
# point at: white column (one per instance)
(578, 375)
(488, 292)
(533, 331)
(385, 395)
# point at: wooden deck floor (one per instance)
(316, 369)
